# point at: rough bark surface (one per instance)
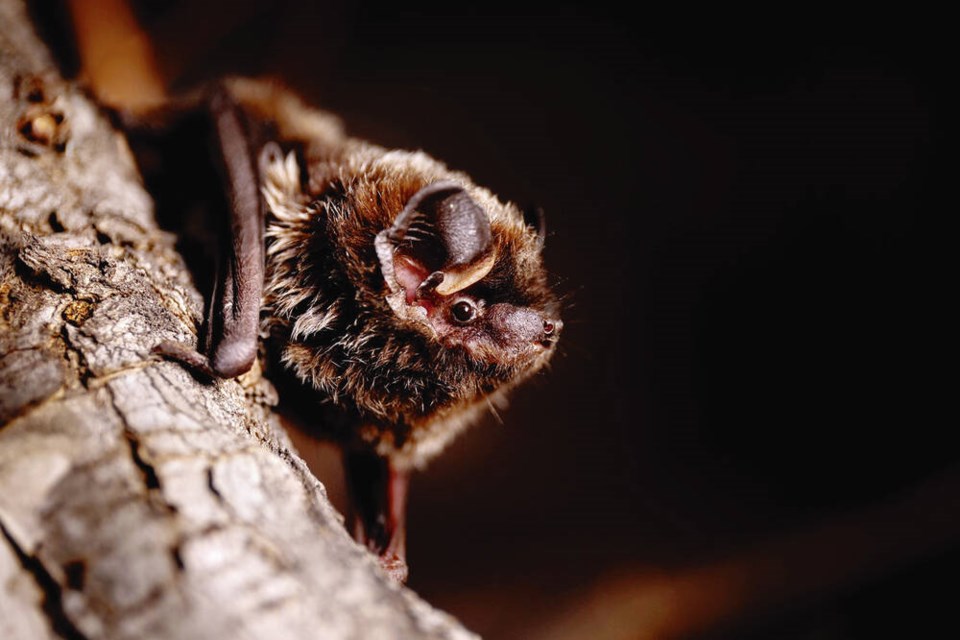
(137, 501)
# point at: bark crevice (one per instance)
(51, 589)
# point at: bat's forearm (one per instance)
(234, 313)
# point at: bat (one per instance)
(390, 298)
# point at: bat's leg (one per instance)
(233, 312)
(378, 495)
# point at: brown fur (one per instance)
(326, 318)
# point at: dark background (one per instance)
(748, 221)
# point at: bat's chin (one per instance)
(520, 358)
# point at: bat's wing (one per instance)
(233, 315)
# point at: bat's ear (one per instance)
(441, 242)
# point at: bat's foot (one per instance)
(395, 566)
(188, 356)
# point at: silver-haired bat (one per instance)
(395, 298)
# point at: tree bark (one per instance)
(135, 500)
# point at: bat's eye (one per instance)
(464, 312)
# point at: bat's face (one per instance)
(406, 294)
(490, 332)
(473, 285)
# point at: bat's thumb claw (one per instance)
(186, 355)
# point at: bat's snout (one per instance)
(522, 326)
(551, 331)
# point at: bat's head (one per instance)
(469, 281)
(417, 296)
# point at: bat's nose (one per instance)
(521, 326)
(552, 327)
(551, 330)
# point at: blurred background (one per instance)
(745, 434)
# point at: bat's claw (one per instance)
(395, 566)
(188, 356)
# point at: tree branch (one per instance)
(135, 500)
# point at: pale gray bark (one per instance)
(135, 500)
